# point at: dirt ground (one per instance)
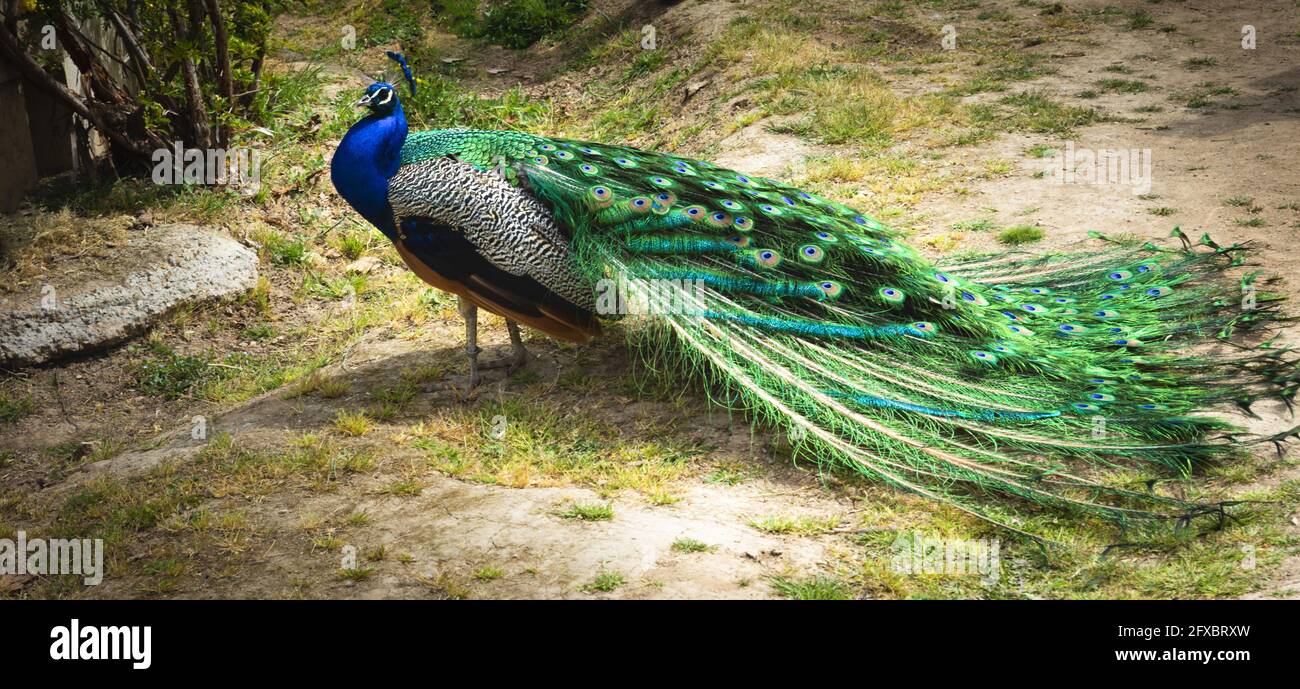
(446, 536)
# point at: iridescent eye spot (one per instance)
(661, 181)
(564, 155)
(788, 201)
(744, 180)
(810, 253)
(1063, 300)
(547, 147)
(944, 279)
(925, 326)
(859, 220)
(1010, 315)
(600, 196)
(1101, 397)
(1020, 330)
(1105, 314)
(1105, 297)
(892, 295)
(1084, 406)
(588, 169)
(769, 209)
(831, 289)
(665, 197)
(739, 240)
(1033, 308)
(983, 356)
(805, 196)
(733, 205)
(719, 219)
(589, 151)
(974, 298)
(1159, 291)
(625, 162)
(1039, 290)
(1120, 275)
(541, 160)
(826, 237)
(693, 212)
(1071, 328)
(639, 203)
(742, 223)
(767, 258)
(714, 185)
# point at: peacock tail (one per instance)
(987, 383)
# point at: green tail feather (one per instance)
(985, 382)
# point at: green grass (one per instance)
(800, 525)
(488, 573)
(511, 23)
(1162, 211)
(1139, 19)
(1195, 63)
(1041, 151)
(690, 545)
(604, 582)
(1035, 111)
(589, 512)
(1020, 234)
(812, 588)
(1123, 86)
(1239, 201)
(15, 408)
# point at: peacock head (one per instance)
(381, 96)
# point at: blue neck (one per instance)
(368, 156)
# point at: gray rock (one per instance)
(84, 309)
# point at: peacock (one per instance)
(993, 383)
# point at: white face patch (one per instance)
(388, 95)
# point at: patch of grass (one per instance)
(169, 374)
(604, 582)
(589, 512)
(690, 545)
(1034, 111)
(406, 487)
(1162, 211)
(354, 424)
(488, 573)
(1041, 151)
(1139, 19)
(516, 443)
(1239, 201)
(15, 408)
(801, 525)
(980, 225)
(1195, 63)
(1117, 69)
(1148, 108)
(327, 387)
(513, 24)
(1250, 222)
(813, 588)
(284, 250)
(1020, 234)
(1123, 86)
(356, 573)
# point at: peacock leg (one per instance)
(519, 353)
(470, 313)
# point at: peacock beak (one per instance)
(365, 100)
